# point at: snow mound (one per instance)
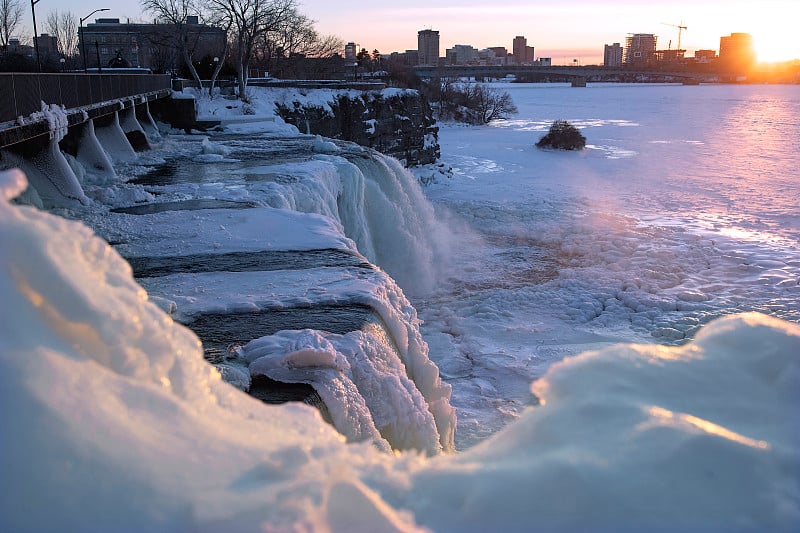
(209, 148)
(115, 418)
(322, 146)
(697, 438)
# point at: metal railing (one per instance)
(23, 93)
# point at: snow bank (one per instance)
(640, 437)
(114, 417)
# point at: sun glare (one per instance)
(773, 48)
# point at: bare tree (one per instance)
(474, 103)
(490, 104)
(64, 27)
(175, 13)
(285, 48)
(223, 56)
(10, 16)
(250, 19)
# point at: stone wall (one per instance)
(394, 122)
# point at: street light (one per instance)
(83, 41)
(35, 38)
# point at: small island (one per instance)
(562, 136)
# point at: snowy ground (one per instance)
(141, 431)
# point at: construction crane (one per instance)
(680, 27)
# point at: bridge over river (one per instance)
(578, 74)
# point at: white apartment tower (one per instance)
(612, 55)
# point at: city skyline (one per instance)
(565, 32)
(578, 30)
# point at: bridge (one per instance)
(84, 97)
(94, 118)
(573, 73)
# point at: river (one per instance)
(685, 206)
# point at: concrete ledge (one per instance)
(14, 133)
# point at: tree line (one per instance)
(272, 35)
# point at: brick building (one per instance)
(110, 41)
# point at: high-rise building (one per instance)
(428, 47)
(736, 53)
(47, 44)
(521, 51)
(612, 55)
(640, 49)
(500, 55)
(461, 54)
(499, 51)
(350, 53)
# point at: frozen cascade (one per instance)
(421, 417)
(359, 377)
(379, 204)
(384, 210)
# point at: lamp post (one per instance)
(213, 77)
(35, 35)
(83, 41)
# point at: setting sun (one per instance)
(772, 48)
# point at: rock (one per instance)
(394, 122)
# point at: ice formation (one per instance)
(118, 420)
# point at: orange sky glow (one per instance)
(564, 31)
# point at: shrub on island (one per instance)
(562, 136)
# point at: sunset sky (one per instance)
(565, 31)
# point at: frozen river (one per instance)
(685, 206)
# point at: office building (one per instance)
(350, 53)
(497, 55)
(48, 46)
(736, 53)
(461, 54)
(523, 54)
(428, 47)
(705, 56)
(146, 45)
